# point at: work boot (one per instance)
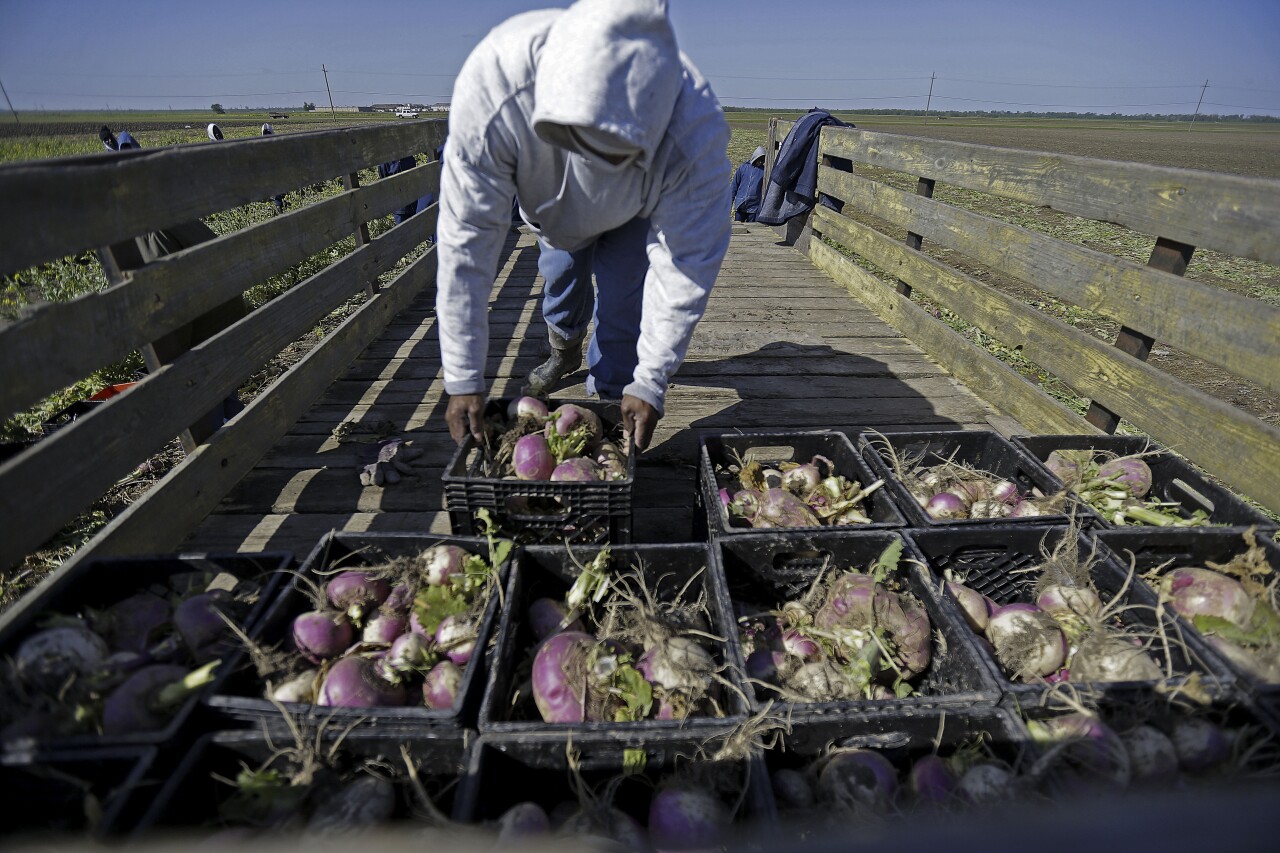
(566, 357)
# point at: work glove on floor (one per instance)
(390, 463)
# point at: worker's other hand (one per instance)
(464, 417)
(638, 420)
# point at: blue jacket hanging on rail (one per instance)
(793, 184)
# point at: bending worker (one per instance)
(615, 146)
(747, 184)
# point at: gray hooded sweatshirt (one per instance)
(612, 68)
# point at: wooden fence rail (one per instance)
(47, 205)
(1180, 209)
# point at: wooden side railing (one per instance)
(53, 208)
(1181, 210)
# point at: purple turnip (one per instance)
(523, 821)
(569, 417)
(399, 600)
(858, 779)
(441, 685)
(1106, 655)
(362, 803)
(1028, 643)
(48, 658)
(356, 593)
(546, 615)
(792, 790)
(945, 506)
(199, 623)
(147, 699)
(457, 639)
(780, 508)
(1091, 746)
(1199, 744)
(763, 665)
(975, 606)
(440, 562)
(685, 817)
(1196, 592)
(559, 677)
(353, 682)
(678, 664)
(408, 653)
(1152, 756)
(824, 681)
(1130, 472)
(579, 469)
(384, 628)
(802, 479)
(797, 644)
(931, 780)
(849, 601)
(532, 458)
(133, 624)
(908, 625)
(531, 407)
(322, 635)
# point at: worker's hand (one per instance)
(638, 420)
(464, 417)
(390, 463)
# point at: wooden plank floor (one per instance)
(781, 346)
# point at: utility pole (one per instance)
(10, 103)
(332, 111)
(1198, 103)
(929, 100)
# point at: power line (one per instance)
(1068, 85)
(171, 95)
(1063, 106)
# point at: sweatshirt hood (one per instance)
(758, 153)
(610, 67)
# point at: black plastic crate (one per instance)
(589, 513)
(508, 769)
(190, 798)
(717, 451)
(1159, 550)
(49, 796)
(996, 561)
(548, 571)
(240, 698)
(1173, 479)
(763, 572)
(981, 449)
(903, 737)
(97, 583)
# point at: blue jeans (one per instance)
(620, 262)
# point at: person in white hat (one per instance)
(614, 145)
(215, 132)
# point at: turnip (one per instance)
(1130, 472)
(399, 600)
(523, 821)
(763, 665)
(610, 824)
(147, 699)
(1069, 465)
(1107, 655)
(1199, 744)
(319, 636)
(858, 779)
(532, 458)
(797, 644)
(576, 470)
(802, 479)
(849, 601)
(441, 685)
(356, 593)
(457, 639)
(1196, 592)
(48, 658)
(353, 682)
(384, 628)
(779, 508)
(792, 790)
(1026, 509)
(134, 623)
(975, 606)
(908, 625)
(1152, 756)
(824, 681)
(945, 506)
(408, 653)
(547, 616)
(300, 688)
(990, 508)
(361, 803)
(569, 417)
(1006, 491)
(1086, 744)
(1028, 643)
(679, 663)
(559, 677)
(531, 407)
(986, 783)
(440, 562)
(931, 780)
(685, 817)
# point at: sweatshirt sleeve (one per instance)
(476, 189)
(690, 235)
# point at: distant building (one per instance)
(439, 108)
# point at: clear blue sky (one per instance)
(1126, 56)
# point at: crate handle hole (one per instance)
(534, 507)
(784, 559)
(770, 453)
(1191, 494)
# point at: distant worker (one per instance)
(748, 181)
(215, 132)
(614, 145)
(124, 142)
(277, 200)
